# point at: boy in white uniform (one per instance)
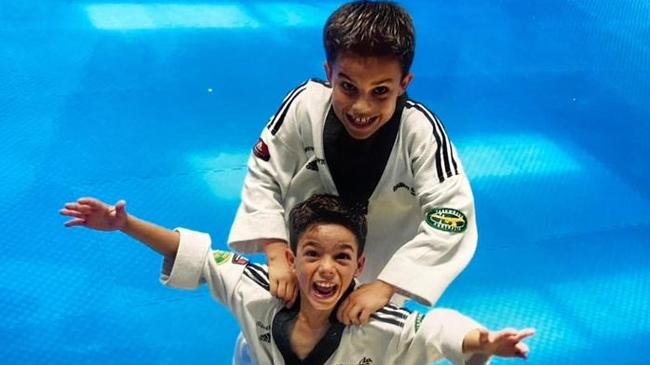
(359, 137)
(327, 239)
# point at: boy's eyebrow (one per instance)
(341, 74)
(309, 243)
(345, 246)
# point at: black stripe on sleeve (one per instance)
(441, 176)
(451, 148)
(259, 269)
(394, 307)
(389, 320)
(286, 101)
(278, 119)
(435, 122)
(394, 313)
(256, 277)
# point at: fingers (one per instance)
(524, 333)
(72, 213)
(521, 350)
(78, 207)
(273, 287)
(293, 297)
(364, 316)
(504, 334)
(75, 222)
(91, 202)
(355, 314)
(341, 313)
(282, 290)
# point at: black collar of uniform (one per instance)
(356, 165)
(281, 330)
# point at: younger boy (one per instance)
(327, 239)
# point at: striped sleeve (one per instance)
(271, 167)
(446, 164)
(440, 333)
(280, 115)
(230, 277)
(447, 236)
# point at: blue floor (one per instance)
(159, 103)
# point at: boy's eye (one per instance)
(346, 86)
(343, 256)
(380, 90)
(311, 253)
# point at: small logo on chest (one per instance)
(265, 337)
(401, 185)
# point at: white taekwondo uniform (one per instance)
(421, 221)
(393, 335)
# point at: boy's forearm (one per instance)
(161, 240)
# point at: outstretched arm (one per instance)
(95, 214)
(504, 343)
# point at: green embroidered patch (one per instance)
(221, 257)
(447, 219)
(418, 321)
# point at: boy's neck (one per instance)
(308, 329)
(313, 317)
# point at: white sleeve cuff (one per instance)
(184, 271)
(249, 232)
(423, 287)
(454, 328)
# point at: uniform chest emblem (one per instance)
(447, 219)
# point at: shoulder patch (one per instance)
(221, 257)
(239, 260)
(261, 150)
(447, 219)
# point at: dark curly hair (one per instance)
(371, 29)
(327, 209)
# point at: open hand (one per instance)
(364, 301)
(95, 214)
(505, 343)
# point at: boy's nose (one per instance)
(361, 107)
(326, 268)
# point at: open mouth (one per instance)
(361, 122)
(324, 290)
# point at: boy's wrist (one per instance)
(127, 227)
(387, 289)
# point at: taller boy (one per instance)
(360, 137)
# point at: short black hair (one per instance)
(327, 209)
(371, 29)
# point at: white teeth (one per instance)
(362, 120)
(326, 285)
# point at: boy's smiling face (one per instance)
(365, 91)
(326, 262)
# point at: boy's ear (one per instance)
(291, 259)
(361, 262)
(406, 80)
(328, 70)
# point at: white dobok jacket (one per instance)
(421, 222)
(393, 335)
